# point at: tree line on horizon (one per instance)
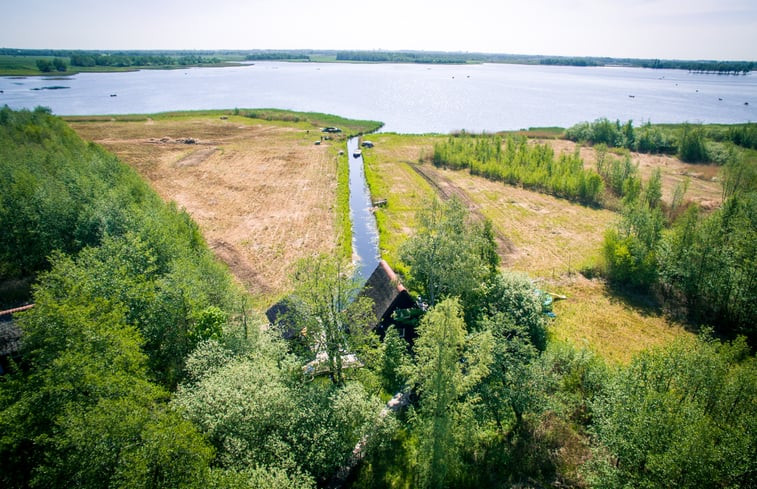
(410, 56)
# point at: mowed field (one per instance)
(551, 239)
(263, 194)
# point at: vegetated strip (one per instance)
(515, 161)
(343, 220)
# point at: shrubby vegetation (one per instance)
(702, 261)
(678, 416)
(644, 139)
(690, 142)
(46, 66)
(719, 67)
(517, 162)
(401, 57)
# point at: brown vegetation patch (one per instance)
(263, 195)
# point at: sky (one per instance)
(680, 29)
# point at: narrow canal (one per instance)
(365, 251)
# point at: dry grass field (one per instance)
(262, 192)
(551, 239)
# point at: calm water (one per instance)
(364, 231)
(408, 98)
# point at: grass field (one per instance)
(551, 239)
(262, 192)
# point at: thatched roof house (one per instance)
(383, 288)
(388, 295)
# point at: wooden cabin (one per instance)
(388, 295)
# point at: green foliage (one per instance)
(82, 412)
(256, 412)
(620, 176)
(449, 256)
(744, 135)
(44, 65)
(739, 176)
(630, 248)
(395, 361)
(644, 139)
(91, 59)
(653, 139)
(442, 383)
(680, 416)
(144, 257)
(259, 477)
(710, 260)
(401, 57)
(515, 161)
(691, 146)
(513, 299)
(326, 309)
(59, 64)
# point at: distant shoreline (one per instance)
(32, 62)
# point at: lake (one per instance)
(408, 98)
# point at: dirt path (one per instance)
(446, 189)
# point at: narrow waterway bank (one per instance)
(365, 251)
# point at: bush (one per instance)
(691, 147)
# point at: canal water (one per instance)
(365, 250)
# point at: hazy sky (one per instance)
(688, 29)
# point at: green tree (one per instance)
(710, 261)
(630, 248)
(514, 296)
(335, 322)
(679, 416)
(449, 255)
(256, 411)
(447, 366)
(82, 411)
(44, 65)
(255, 478)
(739, 176)
(395, 360)
(691, 147)
(59, 64)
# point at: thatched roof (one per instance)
(386, 291)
